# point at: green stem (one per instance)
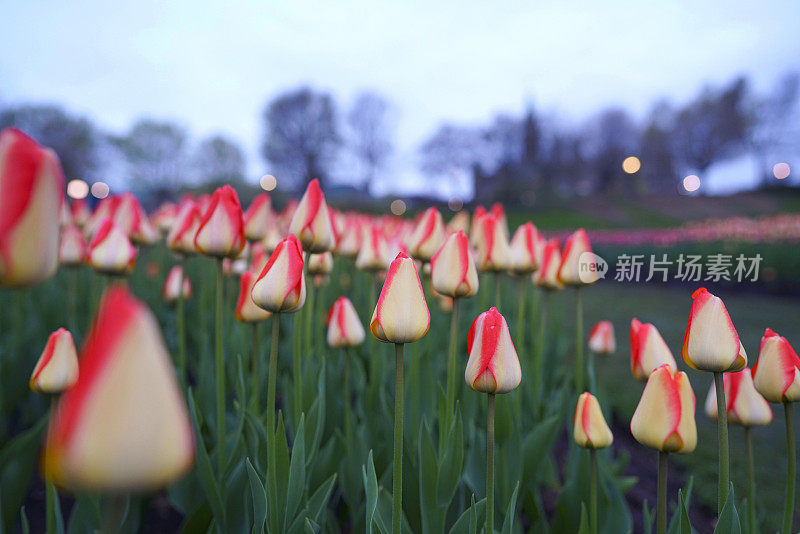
(578, 341)
(490, 464)
(661, 514)
(254, 370)
(271, 380)
(308, 311)
(483, 290)
(538, 362)
(722, 428)
(73, 299)
(523, 286)
(220, 372)
(51, 495)
(298, 378)
(788, 507)
(347, 407)
(114, 515)
(593, 492)
(497, 290)
(181, 327)
(751, 480)
(397, 475)
(451, 369)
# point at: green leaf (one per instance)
(17, 462)
(281, 472)
(204, 470)
(728, 518)
(647, 518)
(24, 521)
(320, 498)
(259, 499)
(297, 473)
(311, 527)
(468, 522)
(58, 519)
(511, 512)
(584, 527)
(198, 522)
(371, 491)
(428, 470)
(680, 523)
(451, 462)
(85, 515)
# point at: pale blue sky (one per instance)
(212, 65)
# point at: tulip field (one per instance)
(218, 367)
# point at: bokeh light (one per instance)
(631, 164)
(268, 182)
(398, 207)
(691, 183)
(781, 171)
(455, 204)
(77, 189)
(100, 190)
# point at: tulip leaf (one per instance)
(728, 522)
(85, 515)
(204, 470)
(281, 473)
(451, 463)
(511, 512)
(647, 518)
(23, 518)
(427, 481)
(469, 520)
(311, 527)
(584, 526)
(259, 499)
(17, 462)
(317, 502)
(680, 523)
(297, 473)
(371, 490)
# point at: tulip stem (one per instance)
(788, 507)
(497, 290)
(220, 372)
(578, 341)
(51, 494)
(308, 312)
(272, 479)
(347, 407)
(181, 330)
(397, 475)
(451, 371)
(490, 464)
(523, 283)
(661, 514)
(593, 492)
(73, 299)
(538, 362)
(722, 427)
(254, 370)
(751, 480)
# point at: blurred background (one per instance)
(535, 104)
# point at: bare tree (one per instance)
(301, 138)
(775, 132)
(218, 161)
(155, 152)
(612, 137)
(371, 138)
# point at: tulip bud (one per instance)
(281, 286)
(602, 339)
(711, 342)
(453, 270)
(344, 326)
(311, 222)
(110, 251)
(649, 351)
(591, 430)
(350, 243)
(569, 272)
(164, 217)
(124, 425)
(776, 375)
(65, 215)
(181, 235)
(460, 221)
(72, 250)
(320, 263)
(401, 315)
(373, 253)
(272, 237)
(257, 216)
(745, 405)
(30, 200)
(475, 225)
(246, 309)
(174, 283)
(664, 418)
(494, 253)
(57, 368)
(493, 365)
(428, 236)
(524, 256)
(80, 212)
(221, 230)
(132, 219)
(547, 275)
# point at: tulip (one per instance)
(221, 230)
(649, 351)
(181, 235)
(401, 315)
(257, 218)
(124, 425)
(105, 209)
(745, 405)
(110, 251)
(164, 217)
(65, 215)
(453, 271)
(350, 243)
(569, 272)
(281, 287)
(72, 251)
(246, 309)
(131, 217)
(31, 185)
(494, 253)
(499, 212)
(80, 212)
(272, 237)
(493, 367)
(176, 286)
(711, 343)
(776, 376)
(547, 275)
(545, 278)
(602, 339)
(372, 256)
(664, 420)
(57, 368)
(460, 221)
(344, 326)
(524, 245)
(428, 236)
(311, 222)
(591, 432)
(320, 263)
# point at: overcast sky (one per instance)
(212, 65)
